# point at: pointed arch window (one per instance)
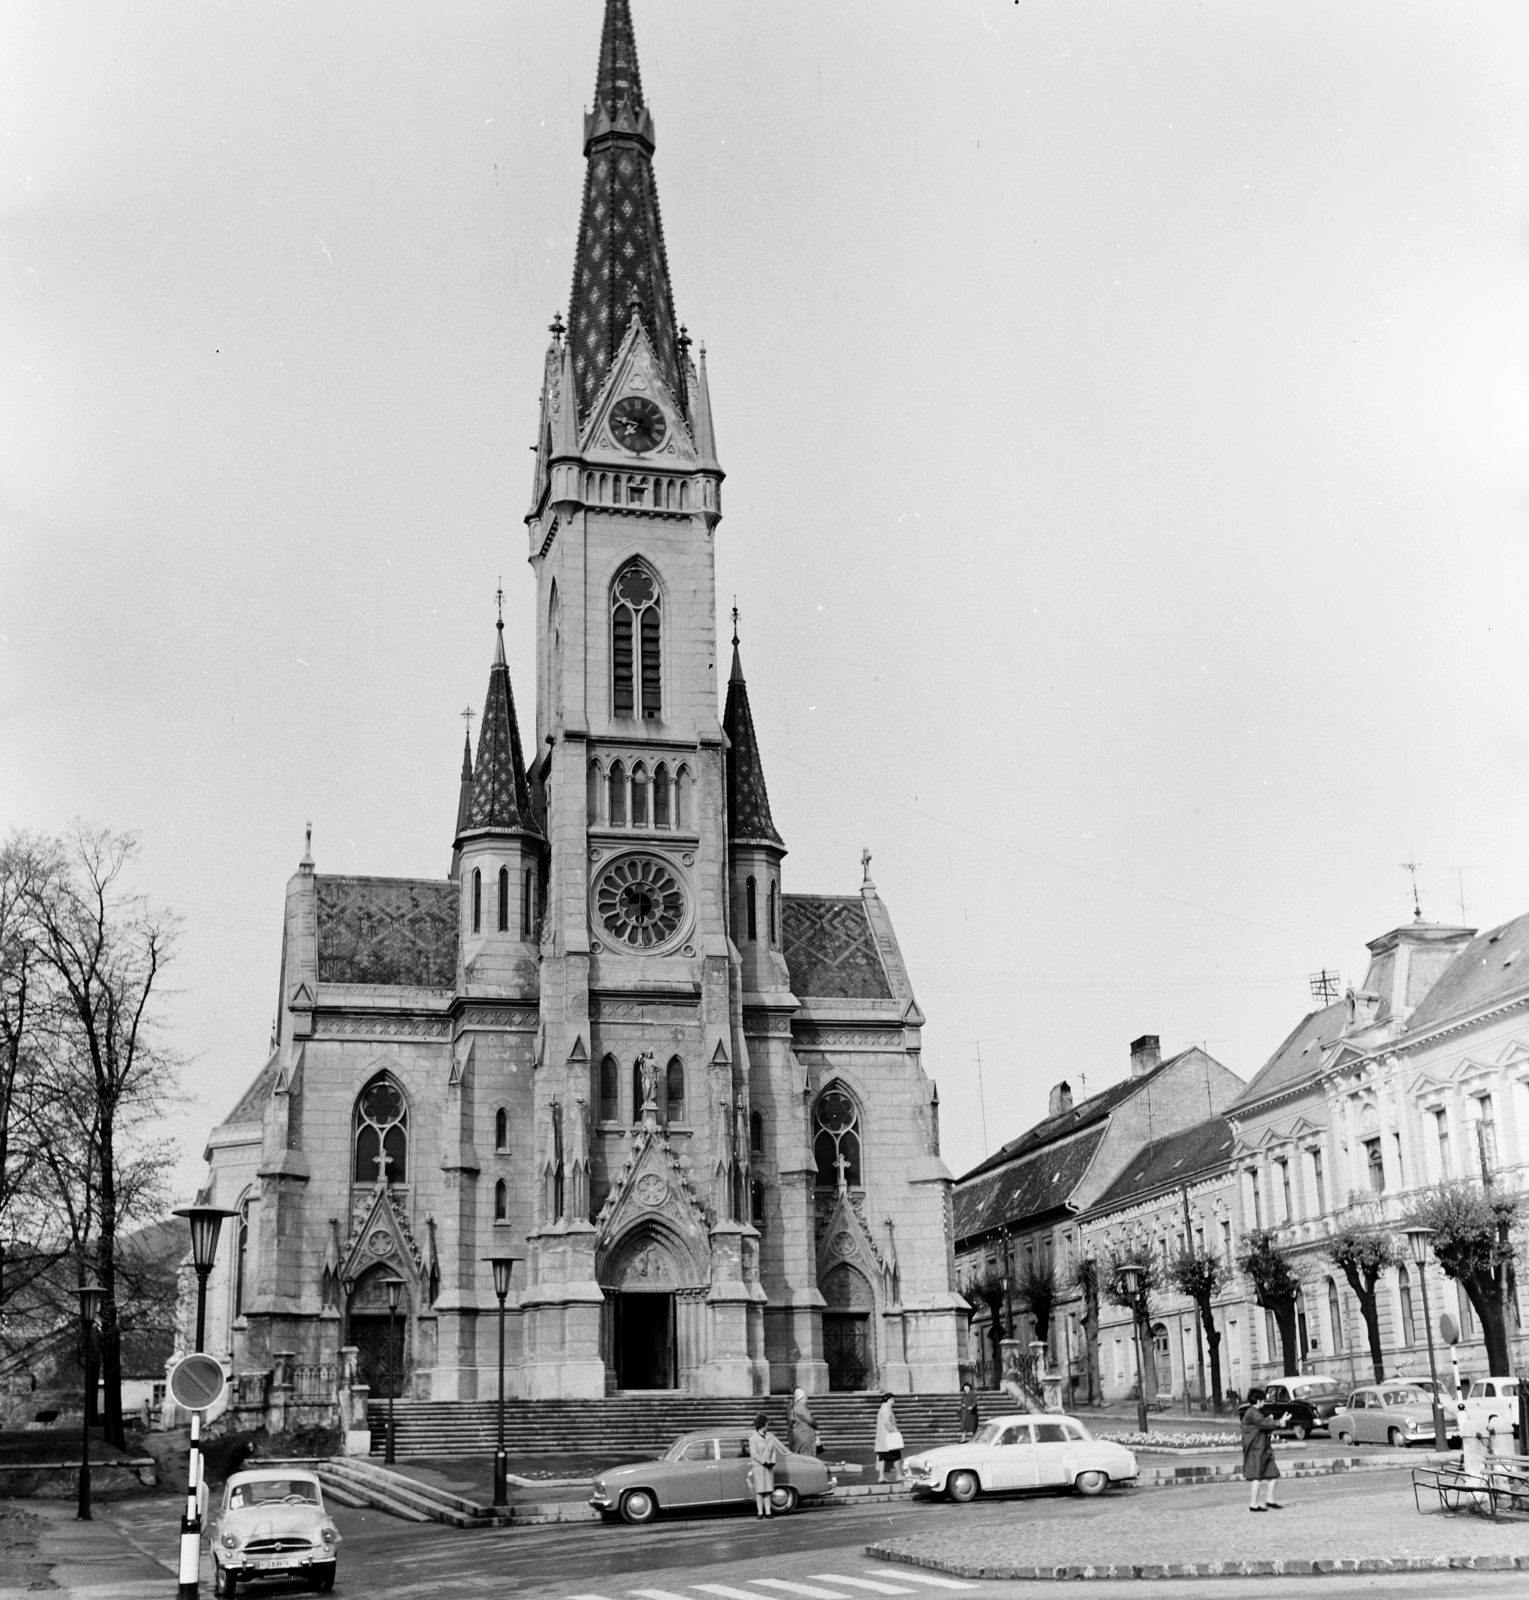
(477, 900)
(501, 1129)
(636, 644)
(504, 899)
(836, 1139)
(774, 911)
(756, 1134)
(381, 1133)
(501, 1201)
(756, 1202)
(525, 903)
(639, 795)
(674, 1086)
(661, 796)
(594, 783)
(617, 812)
(750, 915)
(241, 1258)
(682, 797)
(609, 1110)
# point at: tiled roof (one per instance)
(251, 1106)
(1026, 1187)
(620, 260)
(830, 950)
(1491, 967)
(1299, 1056)
(501, 797)
(388, 931)
(1172, 1160)
(748, 802)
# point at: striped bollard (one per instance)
(191, 1520)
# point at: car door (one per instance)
(1051, 1441)
(1011, 1460)
(692, 1480)
(1367, 1417)
(735, 1479)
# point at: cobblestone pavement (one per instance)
(1371, 1519)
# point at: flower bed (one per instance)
(1168, 1439)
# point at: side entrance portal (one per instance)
(644, 1340)
(847, 1350)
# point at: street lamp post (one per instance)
(206, 1223)
(1418, 1241)
(90, 1302)
(503, 1266)
(1130, 1281)
(394, 1287)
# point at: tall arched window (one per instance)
(1404, 1293)
(836, 1139)
(674, 1085)
(639, 795)
(525, 904)
(609, 1110)
(1335, 1316)
(749, 915)
(477, 900)
(501, 1129)
(636, 641)
(756, 1202)
(592, 789)
(501, 1201)
(504, 899)
(682, 797)
(241, 1258)
(381, 1132)
(756, 1134)
(660, 796)
(555, 653)
(774, 911)
(617, 808)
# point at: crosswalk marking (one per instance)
(725, 1591)
(810, 1590)
(657, 1594)
(940, 1583)
(859, 1583)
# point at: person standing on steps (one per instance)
(889, 1444)
(764, 1452)
(804, 1433)
(969, 1419)
(1258, 1464)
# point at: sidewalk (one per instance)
(43, 1547)
(1371, 1526)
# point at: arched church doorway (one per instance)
(642, 1331)
(848, 1304)
(381, 1341)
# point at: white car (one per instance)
(273, 1524)
(1025, 1451)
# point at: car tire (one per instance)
(1091, 1482)
(1396, 1438)
(784, 1499)
(638, 1506)
(1300, 1431)
(323, 1578)
(962, 1487)
(1345, 1438)
(224, 1582)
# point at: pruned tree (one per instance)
(988, 1286)
(1276, 1287)
(1035, 1293)
(1201, 1276)
(1112, 1282)
(1361, 1251)
(1473, 1243)
(1084, 1277)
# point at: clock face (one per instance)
(639, 902)
(637, 424)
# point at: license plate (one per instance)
(265, 1562)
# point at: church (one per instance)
(609, 1045)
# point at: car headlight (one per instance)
(600, 1486)
(918, 1469)
(328, 1535)
(230, 1542)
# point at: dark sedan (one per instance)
(704, 1469)
(1303, 1405)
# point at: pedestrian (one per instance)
(968, 1412)
(764, 1452)
(804, 1433)
(1258, 1464)
(889, 1444)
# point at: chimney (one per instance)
(1146, 1055)
(1061, 1099)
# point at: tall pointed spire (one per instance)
(620, 265)
(500, 797)
(748, 802)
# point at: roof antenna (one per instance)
(981, 1098)
(1417, 908)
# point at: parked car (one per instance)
(1397, 1414)
(1304, 1405)
(273, 1525)
(704, 1469)
(1022, 1451)
(1484, 1398)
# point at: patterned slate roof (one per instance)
(620, 259)
(1492, 966)
(748, 802)
(1299, 1056)
(501, 798)
(400, 931)
(1026, 1187)
(251, 1106)
(1175, 1159)
(830, 949)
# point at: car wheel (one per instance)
(1345, 1438)
(324, 1580)
(1300, 1431)
(1395, 1438)
(962, 1487)
(1091, 1482)
(224, 1582)
(784, 1499)
(638, 1506)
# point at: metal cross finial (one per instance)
(735, 619)
(684, 342)
(467, 714)
(841, 1164)
(499, 601)
(865, 865)
(1417, 909)
(555, 327)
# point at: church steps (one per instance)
(648, 1423)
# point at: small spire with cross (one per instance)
(735, 622)
(555, 327)
(499, 601)
(684, 342)
(865, 867)
(467, 714)
(1417, 907)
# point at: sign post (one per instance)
(195, 1384)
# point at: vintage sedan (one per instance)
(710, 1468)
(1303, 1406)
(272, 1524)
(1397, 1414)
(1023, 1451)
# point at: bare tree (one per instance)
(1085, 1279)
(988, 1285)
(1200, 1275)
(1361, 1252)
(1275, 1287)
(105, 950)
(1035, 1293)
(1112, 1284)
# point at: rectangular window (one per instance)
(1374, 1166)
(1257, 1199)
(1284, 1190)
(1486, 1134)
(1318, 1181)
(1226, 1243)
(1441, 1130)
(1396, 1150)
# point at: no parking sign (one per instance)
(197, 1382)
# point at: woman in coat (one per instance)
(1258, 1464)
(764, 1452)
(804, 1433)
(889, 1444)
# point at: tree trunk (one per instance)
(1284, 1320)
(1091, 1346)
(1482, 1290)
(1371, 1314)
(1212, 1349)
(106, 1275)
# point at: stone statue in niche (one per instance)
(647, 1066)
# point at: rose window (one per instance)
(639, 902)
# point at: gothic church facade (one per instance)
(609, 1044)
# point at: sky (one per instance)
(1124, 411)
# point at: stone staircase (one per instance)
(355, 1481)
(645, 1424)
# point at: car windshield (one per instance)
(263, 1491)
(988, 1433)
(1406, 1397)
(1318, 1388)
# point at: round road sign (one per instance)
(197, 1382)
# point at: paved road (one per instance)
(813, 1555)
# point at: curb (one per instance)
(1205, 1569)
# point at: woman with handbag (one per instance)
(764, 1452)
(889, 1444)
